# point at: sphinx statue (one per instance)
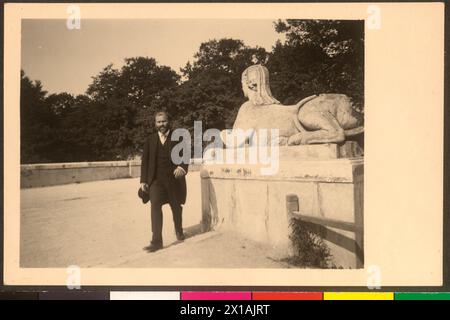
(323, 118)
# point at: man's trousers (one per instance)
(161, 193)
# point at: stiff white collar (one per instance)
(163, 137)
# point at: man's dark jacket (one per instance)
(148, 166)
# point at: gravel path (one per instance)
(105, 224)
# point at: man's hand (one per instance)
(179, 172)
(144, 187)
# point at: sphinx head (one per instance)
(255, 84)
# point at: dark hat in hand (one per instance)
(143, 195)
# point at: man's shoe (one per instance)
(180, 236)
(153, 247)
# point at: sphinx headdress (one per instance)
(256, 78)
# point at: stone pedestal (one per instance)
(238, 197)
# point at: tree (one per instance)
(213, 91)
(37, 123)
(60, 103)
(113, 118)
(104, 85)
(319, 56)
(120, 100)
(78, 132)
(224, 56)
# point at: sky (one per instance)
(65, 60)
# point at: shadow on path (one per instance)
(189, 232)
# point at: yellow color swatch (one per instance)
(358, 296)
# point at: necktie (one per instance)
(163, 138)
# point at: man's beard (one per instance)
(163, 129)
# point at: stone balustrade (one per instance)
(50, 174)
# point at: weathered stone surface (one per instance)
(337, 170)
(323, 118)
(51, 174)
(255, 205)
(326, 151)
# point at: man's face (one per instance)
(162, 123)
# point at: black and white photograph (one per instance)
(199, 143)
(98, 105)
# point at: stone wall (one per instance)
(49, 174)
(240, 198)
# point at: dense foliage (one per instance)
(111, 120)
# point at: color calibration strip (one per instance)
(222, 295)
(272, 296)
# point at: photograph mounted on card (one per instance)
(238, 144)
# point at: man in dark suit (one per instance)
(163, 180)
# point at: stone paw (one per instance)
(295, 139)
